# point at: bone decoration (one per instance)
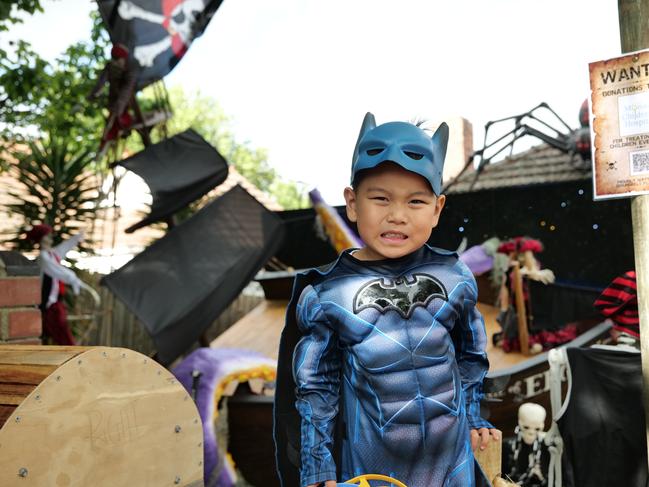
(178, 23)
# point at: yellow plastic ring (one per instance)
(362, 480)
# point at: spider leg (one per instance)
(544, 123)
(514, 134)
(519, 116)
(557, 138)
(517, 124)
(545, 105)
(561, 143)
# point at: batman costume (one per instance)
(380, 371)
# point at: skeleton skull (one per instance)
(183, 17)
(178, 22)
(531, 420)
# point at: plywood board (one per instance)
(490, 459)
(108, 417)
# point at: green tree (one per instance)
(43, 99)
(49, 132)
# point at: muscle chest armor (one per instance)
(395, 329)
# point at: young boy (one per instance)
(387, 346)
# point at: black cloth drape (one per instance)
(181, 283)
(178, 171)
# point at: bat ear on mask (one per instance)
(440, 142)
(369, 122)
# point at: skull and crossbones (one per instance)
(177, 18)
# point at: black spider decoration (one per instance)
(566, 139)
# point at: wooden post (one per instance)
(634, 36)
(640, 218)
(521, 312)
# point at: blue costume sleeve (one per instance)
(471, 355)
(316, 370)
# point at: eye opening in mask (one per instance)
(373, 152)
(413, 155)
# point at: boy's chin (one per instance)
(396, 254)
(387, 252)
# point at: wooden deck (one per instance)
(260, 331)
(498, 358)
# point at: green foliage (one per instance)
(21, 73)
(49, 132)
(54, 187)
(38, 98)
(253, 165)
(10, 10)
(290, 195)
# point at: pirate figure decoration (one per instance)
(521, 252)
(524, 250)
(526, 457)
(619, 303)
(123, 110)
(54, 278)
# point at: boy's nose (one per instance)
(397, 215)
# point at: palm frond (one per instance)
(54, 186)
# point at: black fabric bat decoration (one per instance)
(402, 294)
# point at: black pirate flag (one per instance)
(157, 33)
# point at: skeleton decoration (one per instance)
(527, 459)
(157, 32)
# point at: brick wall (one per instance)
(20, 294)
(460, 146)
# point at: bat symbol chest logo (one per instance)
(402, 294)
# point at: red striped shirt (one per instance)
(619, 302)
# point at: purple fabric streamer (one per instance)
(214, 364)
(477, 260)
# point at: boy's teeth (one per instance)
(394, 235)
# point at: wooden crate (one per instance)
(96, 416)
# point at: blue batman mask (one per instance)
(404, 144)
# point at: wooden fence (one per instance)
(113, 325)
